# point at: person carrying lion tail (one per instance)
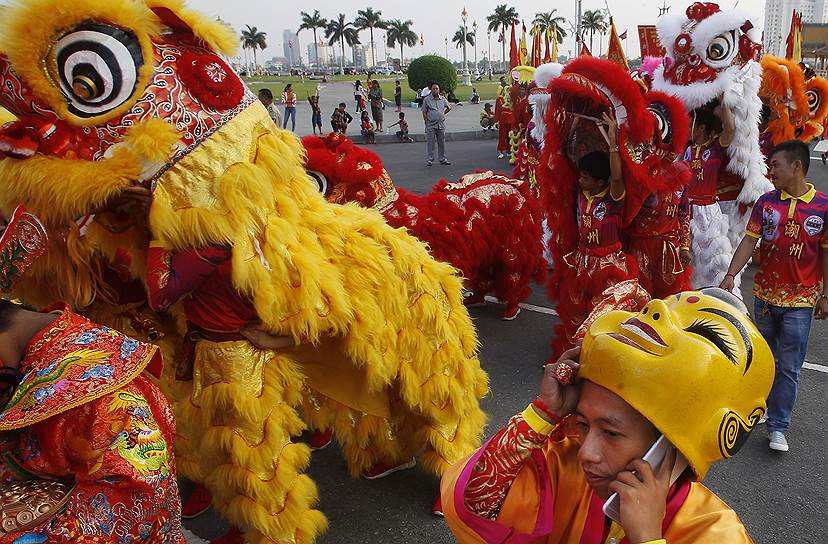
(630, 382)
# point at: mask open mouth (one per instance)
(639, 335)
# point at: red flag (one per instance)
(585, 52)
(623, 36)
(546, 56)
(793, 45)
(513, 50)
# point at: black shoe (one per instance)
(823, 158)
(429, 163)
(445, 161)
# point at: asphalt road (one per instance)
(780, 497)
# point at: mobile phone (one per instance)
(654, 456)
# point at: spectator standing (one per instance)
(487, 117)
(340, 119)
(377, 104)
(316, 113)
(434, 110)
(266, 98)
(289, 100)
(398, 96)
(366, 128)
(358, 95)
(790, 223)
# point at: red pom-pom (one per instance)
(683, 43)
(210, 80)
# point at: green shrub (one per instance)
(431, 68)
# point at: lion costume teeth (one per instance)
(360, 295)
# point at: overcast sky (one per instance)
(436, 19)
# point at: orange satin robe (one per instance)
(550, 502)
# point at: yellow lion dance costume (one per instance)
(110, 95)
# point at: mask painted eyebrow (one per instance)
(742, 332)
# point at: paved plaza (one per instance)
(781, 498)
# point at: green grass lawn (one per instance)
(487, 89)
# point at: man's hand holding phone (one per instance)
(643, 497)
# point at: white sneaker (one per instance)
(500, 155)
(777, 441)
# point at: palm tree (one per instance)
(548, 20)
(593, 21)
(369, 19)
(312, 22)
(458, 37)
(399, 32)
(342, 31)
(500, 21)
(253, 39)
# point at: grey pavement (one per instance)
(462, 118)
(780, 497)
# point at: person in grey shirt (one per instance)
(434, 109)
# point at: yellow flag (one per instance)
(554, 44)
(523, 51)
(615, 51)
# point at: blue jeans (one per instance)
(786, 331)
(290, 113)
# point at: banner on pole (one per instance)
(648, 39)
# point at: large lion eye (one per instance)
(97, 67)
(320, 180)
(722, 46)
(814, 100)
(662, 123)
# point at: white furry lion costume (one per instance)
(713, 55)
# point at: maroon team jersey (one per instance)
(599, 222)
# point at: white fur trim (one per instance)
(696, 94)
(711, 248)
(668, 27)
(547, 72)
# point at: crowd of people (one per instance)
(204, 303)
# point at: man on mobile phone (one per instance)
(630, 382)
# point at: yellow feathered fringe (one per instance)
(316, 270)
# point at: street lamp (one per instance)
(447, 57)
(476, 69)
(489, 38)
(466, 76)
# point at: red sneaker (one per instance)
(381, 470)
(233, 536)
(319, 440)
(197, 504)
(510, 313)
(474, 299)
(437, 509)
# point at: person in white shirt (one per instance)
(266, 98)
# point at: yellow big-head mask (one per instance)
(693, 364)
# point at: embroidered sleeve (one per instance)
(171, 276)
(684, 219)
(500, 464)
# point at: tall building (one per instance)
(370, 59)
(290, 46)
(778, 15)
(359, 56)
(326, 55)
